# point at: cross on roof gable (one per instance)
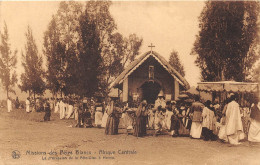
(135, 64)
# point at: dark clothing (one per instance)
(255, 113)
(112, 125)
(175, 124)
(196, 109)
(47, 109)
(112, 120)
(178, 126)
(17, 103)
(140, 122)
(208, 134)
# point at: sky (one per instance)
(169, 25)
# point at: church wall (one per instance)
(141, 74)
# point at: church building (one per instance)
(145, 77)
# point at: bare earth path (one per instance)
(36, 142)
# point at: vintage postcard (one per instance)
(129, 82)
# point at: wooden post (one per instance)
(125, 90)
(176, 90)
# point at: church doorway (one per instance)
(150, 91)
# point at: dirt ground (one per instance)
(24, 139)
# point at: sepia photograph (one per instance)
(129, 82)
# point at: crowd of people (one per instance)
(209, 121)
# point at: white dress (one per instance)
(104, 120)
(98, 116)
(62, 110)
(9, 105)
(168, 116)
(234, 127)
(70, 113)
(254, 131)
(27, 105)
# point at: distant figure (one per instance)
(17, 103)
(47, 110)
(254, 130)
(234, 126)
(160, 101)
(159, 117)
(9, 104)
(112, 120)
(208, 122)
(57, 106)
(175, 121)
(85, 113)
(196, 112)
(70, 113)
(104, 118)
(27, 102)
(140, 125)
(99, 109)
(168, 115)
(62, 109)
(151, 116)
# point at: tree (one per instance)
(54, 50)
(89, 67)
(226, 44)
(256, 73)
(67, 47)
(175, 63)
(123, 52)
(32, 78)
(8, 62)
(116, 51)
(68, 16)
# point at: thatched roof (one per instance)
(136, 63)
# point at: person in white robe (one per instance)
(98, 113)
(160, 101)
(234, 126)
(62, 110)
(159, 118)
(9, 105)
(70, 113)
(27, 103)
(128, 118)
(76, 110)
(254, 129)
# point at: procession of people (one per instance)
(207, 121)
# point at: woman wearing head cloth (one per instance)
(112, 120)
(140, 126)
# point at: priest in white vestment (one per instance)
(234, 127)
(254, 129)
